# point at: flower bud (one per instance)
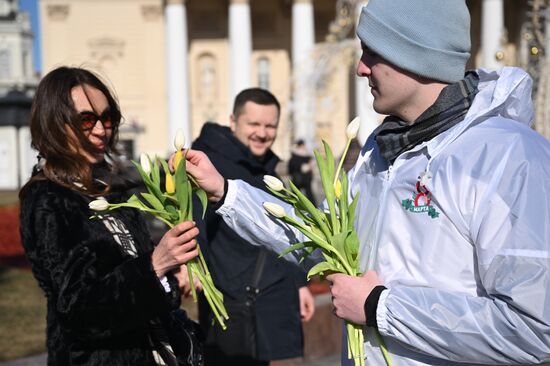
(274, 183)
(179, 140)
(145, 163)
(274, 209)
(353, 128)
(170, 186)
(338, 189)
(100, 204)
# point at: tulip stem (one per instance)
(341, 162)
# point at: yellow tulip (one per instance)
(177, 159)
(170, 186)
(338, 189)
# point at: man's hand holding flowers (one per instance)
(349, 294)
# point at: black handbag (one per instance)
(239, 339)
(186, 339)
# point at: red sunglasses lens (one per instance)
(87, 121)
(107, 120)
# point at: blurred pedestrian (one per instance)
(300, 168)
(266, 297)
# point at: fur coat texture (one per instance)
(101, 288)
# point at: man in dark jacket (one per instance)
(242, 151)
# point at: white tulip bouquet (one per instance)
(172, 206)
(330, 231)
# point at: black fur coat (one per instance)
(101, 297)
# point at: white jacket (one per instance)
(467, 267)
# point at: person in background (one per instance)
(112, 296)
(266, 297)
(454, 200)
(300, 168)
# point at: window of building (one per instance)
(207, 77)
(263, 67)
(5, 64)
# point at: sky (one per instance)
(31, 6)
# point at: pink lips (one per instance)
(100, 147)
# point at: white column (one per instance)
(303, 40)
(27, 155)
(9, 160)
(177, 74)
(240, 47)
(492, 31)
(363, 97)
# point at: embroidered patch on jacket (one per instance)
(420, 202)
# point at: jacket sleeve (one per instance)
(509, 321)
(92, 301)
(243, 212)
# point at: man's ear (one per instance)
(232, 122)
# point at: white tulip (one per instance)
(274, 183)
(100, 204)
(353, 128)
(179, 140)
(274, 209)
(145, 163)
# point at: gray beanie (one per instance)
(430, 38)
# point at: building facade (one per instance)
(16, 69)
(17, 84)
(178, 63)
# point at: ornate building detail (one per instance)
(58, 12)
(106, 46)
(536, 37)
(207, 86)
(207, 77)
(151, 13)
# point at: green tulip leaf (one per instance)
(296, 246)
(201, 194)
(352, 249)
(151, 186)
(320, 269)
(338, 241)
(330, 160)
(351, 211)
(153, 201)
(155, 172)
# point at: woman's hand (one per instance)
(176, 247)
(182, 276)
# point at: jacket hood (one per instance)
(220, 139)
(505, 93)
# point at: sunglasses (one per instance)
(88, 120)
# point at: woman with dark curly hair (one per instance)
(113, 296)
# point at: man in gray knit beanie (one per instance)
(430, 38)
(444, 139)
(452, 201)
